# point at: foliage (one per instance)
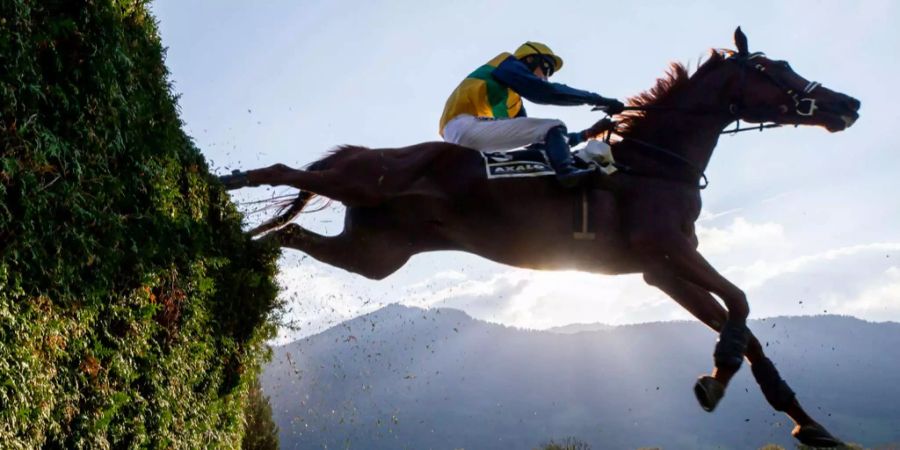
(261, 433)
(569, 443)
(133, 310)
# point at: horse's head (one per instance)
(765, 90)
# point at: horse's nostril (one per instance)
(854, 104)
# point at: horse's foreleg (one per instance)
(372, 255)
(679, 256)
(704, 307)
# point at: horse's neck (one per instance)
(691, 129)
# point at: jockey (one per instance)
(485, 112)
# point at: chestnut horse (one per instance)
(435, 196)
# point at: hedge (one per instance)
(133, 310)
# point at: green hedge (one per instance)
(133, 310)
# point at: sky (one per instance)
(805, 221)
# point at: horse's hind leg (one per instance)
(274, 175)
(704, 306)
(373, 254)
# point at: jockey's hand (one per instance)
(609, 105)
(602, 126)
(614, 106)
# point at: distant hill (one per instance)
(580, 328)
(438, 379)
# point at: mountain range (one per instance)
(409, 378)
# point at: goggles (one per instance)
(547, 66)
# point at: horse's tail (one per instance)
(290, 212)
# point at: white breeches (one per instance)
(490, 135)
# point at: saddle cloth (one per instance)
(533, 162)
(529, 162)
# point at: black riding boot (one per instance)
(560, 156)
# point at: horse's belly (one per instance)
(552, 232)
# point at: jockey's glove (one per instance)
(574, 139)
(610, 105)
(601, 126)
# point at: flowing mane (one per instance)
(674, 82)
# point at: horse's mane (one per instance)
(673, 83)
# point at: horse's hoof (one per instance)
(236, 180)
(815, 435)
(709, 391)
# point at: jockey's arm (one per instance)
(515, 74)
(536, 90)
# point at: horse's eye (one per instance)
(784, 64)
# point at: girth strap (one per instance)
(581, 218)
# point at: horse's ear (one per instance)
(740, 41)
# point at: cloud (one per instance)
(480, 297)
(542, 299)
(740, 235)
(707, 215)
(878, 302)
(850, 280)
(760, 272)
(856, 280)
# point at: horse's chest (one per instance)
(661, 207)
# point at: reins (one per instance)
(671, 154)
(674, 155)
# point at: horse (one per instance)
(435, 196)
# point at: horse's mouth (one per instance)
(840, 115)
(849, 120)
(839, 121)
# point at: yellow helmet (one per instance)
(536, 48)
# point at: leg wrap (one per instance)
(776, 390)
(732, 345)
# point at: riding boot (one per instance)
(560, 156)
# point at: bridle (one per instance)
(803, 106)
